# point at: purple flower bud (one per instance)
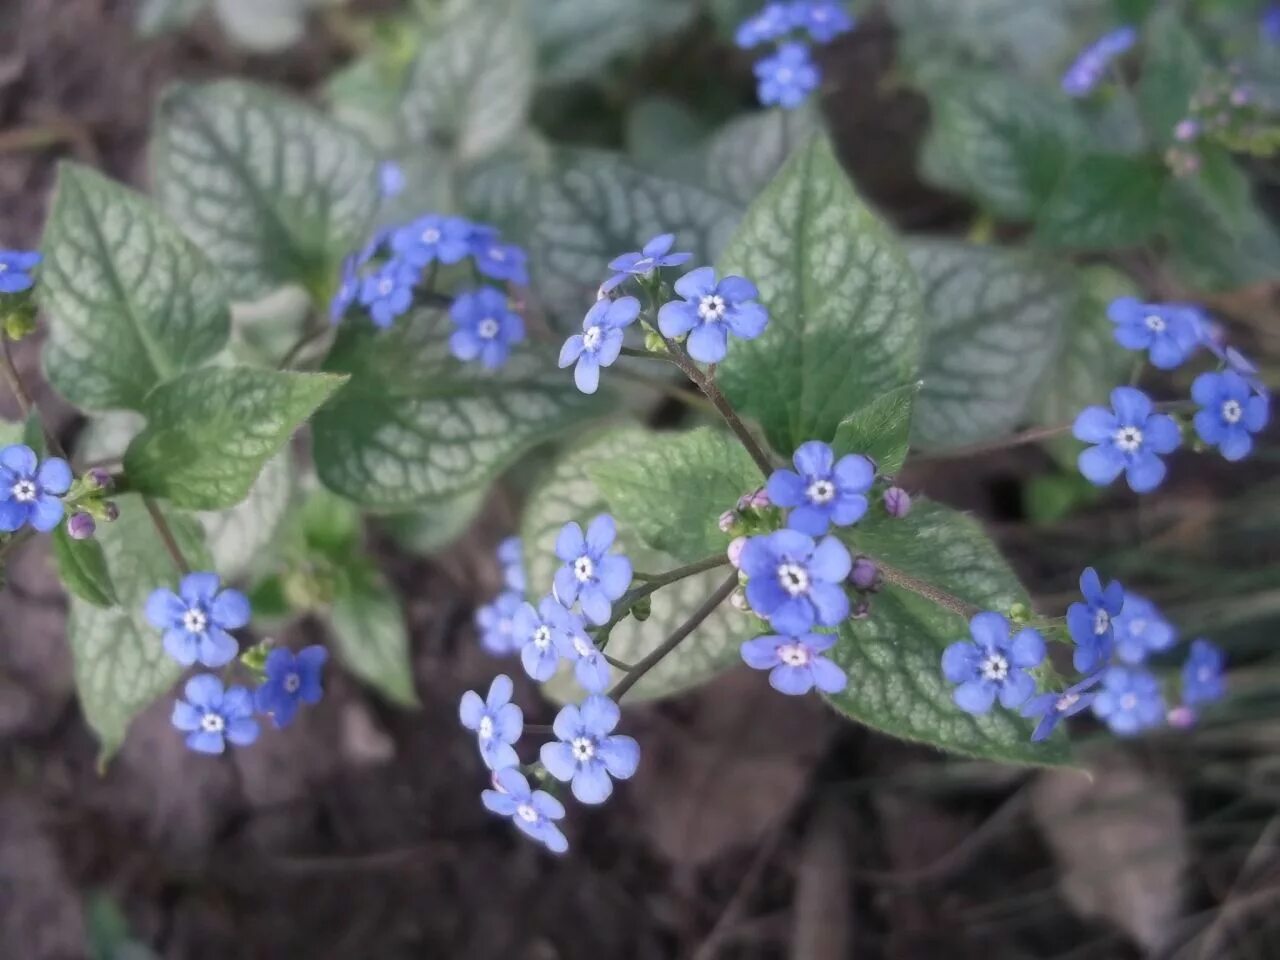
(80, 526)
(734, 553)
(861, 610)
(110, 512)
(897, 501)
(727, 521)
(1186, 130)
(864, 574)
(1182, 718)
(757, 500)
(99, 479)
(1240, 96)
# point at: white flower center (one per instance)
(1128, 701)
(794, 578)
(487, 328)
(24, 491)
(794, 654)
(583, 568)
(995, 667)
(1155, 323)
(212, 723)
(1101, 621)
(386, 285)
(1066, 702)
(431, 235)
(591, 339)
(584, 748)
(1232, 411)
(1128, 439)
(820, 491)
(292, 683)
(195, 620)
(542, 637)
(526, 813)
(580, 644)
(486, 727)
(711, 307)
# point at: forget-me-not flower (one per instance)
(1089, 67)
(1130, 438)
(212, 714)
(651, 257)
(600, 341)
(822, 490)
(511, 558)
(590, 668)
(796, 664)
(824, 19)
(1168, 332)
(588, 752)
(774, 21)
(795, 583)
(1141, 630)
(710, 311)
(1230, 412)
(1202, 674)
(15, 270)
(1090, 622)
(1053, 708)
(787, 78)
(432, 238)
(291, 679)
(487, 327)
(591, 575)
(498, 260)
(496, 623)
(388, 291)
(532, 811)
(195, 620)
(497, 722)
(1129, 701)
(390, 179)
(992, 664)
(537, 632)
(30, 490)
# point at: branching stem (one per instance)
(166, 535)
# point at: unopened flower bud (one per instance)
(727, 521)
(110, 512)
(739, 601)
(642, 608)
(861, 610)
(1020, 613)
(864, 574)
(1186, 130)
(80, 526)
(734, 552)
(897, 501)
(754, 501)
(1182, 718)
(98, 479)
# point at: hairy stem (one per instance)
(926, 590)
(166, 535)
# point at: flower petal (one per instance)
(230, 610)
(591, 784)
(620, 756)
(54, 476)
(599, 715)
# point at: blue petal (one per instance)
(830, 561)
(508, 723)
(599, 715)
(677, 318)
(747, 320)
(814, 459)
(827, 676)
(570, 543)
(591, 784)
(975, 696)
(830, 603)
(601, 533)
(1131, 405)
(46, 513)
(761, 653)
(791, 680)
(54, 476)
(12, 515)
(785, 488)
(568, 722)
(230, 610)
(586, 375)
(471, 710)
(206, 741)
(571, 350)
(1095, 425)
(499, 803)
(810, 520)
(217, 648)
(595, 605)
(990, 629)
(794, 615)
(1161, 434)
(1027, 649)
(182, 646)
(697, 283)
(1101, 465)
(19, 458)
(620, 756)
(500, 690)
(199, 588)
(243, 731)
(960, 661)
(614, 574)
(1017, 687)
(1145, 473)
(186, 717)
(708, 343)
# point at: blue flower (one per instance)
(29, 490)
(1090, 66)
(486, 327)
(1129, 438)
(1129, 701)
(824, 19)
(497, 722)
(1202, 680)
(211, 715)
(992, 664)
(600, 341)
(588, 752)
(496, 622)
(788, 77)
(1090, 623)
(390, 179)
(531, 811)
(537, 633)
(195, 620)
(796, 664)
(1169, 332)
(1269, 26)
(590, 668)
(511, 557)
(498, 260)
(388, 291)
(590, 574)
(15, 270)
(774, 21)
(432, 238)
(795, 583)
(712, 311)
(1230, 412)
(652, 256)
(291, 680)
(1053, 708)
(1140, 630)
(822, 490)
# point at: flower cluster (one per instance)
(1228, 112)
(197, 621)
(788, 76)
(587, 754)
(1088, 69)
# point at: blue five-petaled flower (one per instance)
(538, 633)
(824, 19)
(291, 679)
(195, 620)
(497, 722)
(487, 327)
(1130, 439)
(600, 341)
(1090, 621)
(212, 715)
(511, 558)
(1169, 332)
(822, 490)
(532, 811)
(795, 583)
(30, 490)
(591, 575)
(1129, 700)
(710, 311)
(498, 260)
(496, 622)
(433, 238)
(388, 291)
(1090, 66)
(590, 668)
(1053, 708)
(1202, 680)
(1140, 630)
(796, 664)
(588, 752)
(1230, 412)
(774, 21)
(643, 263)
(15, 270)
(992, 664)
(786, 78)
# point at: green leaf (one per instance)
(82, 567)
(470, 85)
(994, 318)
(670, 489)
(414, 425)
(746, 153)
(843, 302)
(1104, 202)
(430, 529)
(880, 429)
(208, 435)
(273, 191)
(1172, 69)
(33, 433)
(659, 131)
(132, 302)
(893, 657)
(577, 39)
(568, 493)
(120, 663)
(370, 634)
(239, 537)
(592, 206)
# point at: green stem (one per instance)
(9, 370)
(656, 582)
(166, 536)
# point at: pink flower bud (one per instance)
(734, 552)
(80, 526)
(897, 501)
(1182, 718)
(754, 501)
(727, 521)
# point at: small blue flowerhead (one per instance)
(774, 21)
(511, 557)
(795, 583)
(496, 622)
(992, 664)
(1053, 708)
(822, 490)
(711, 311)
(1090, 622)
(1202, 674)
(1088, 69)
(498, 260)
(796, 664)
(1130, 439)
(1230, 412)
(15, 270)
(487, 327)
(787, 78)
(600, 341)
(30, 490)
(588, 752)
(211, 715)
(390, 179)
(824, 19)
(591, 575)
(195, 620)
(590, 668)
(1129, 701)
(432, 238)
(1269, 25)
(1169, 332)
(291, 680)
(532, 811)
(538, 634)
(1140, 630)
(388, 291)
(651, 257)
(497, 722)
